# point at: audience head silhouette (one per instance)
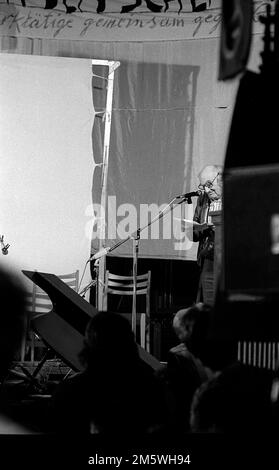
(185, 371)
(109, 396)
(237, 400)
(12, 318)
(190, 325)
(108, 335)
(12, 301)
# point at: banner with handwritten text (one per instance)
(116, 20)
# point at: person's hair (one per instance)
(12, 304)
(108, 337)
(198, 314)
(212, 170)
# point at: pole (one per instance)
(101, 270)
(135, 273)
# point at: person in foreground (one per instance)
(117, 394)
(185, 370)
(236, 401)
(12, 300)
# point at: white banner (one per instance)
(110, 21)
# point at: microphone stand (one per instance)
(85, 289)
(135, 236)
(93, 282)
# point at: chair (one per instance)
(39, 303)
(124, 285)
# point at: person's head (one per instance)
(109, 338)
(12, 304)
(210, 179)
(190, 325)
(235, 400)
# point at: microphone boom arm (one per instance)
(136, 235)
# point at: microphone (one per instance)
(100, 253)
(5, 249)
(191, 194)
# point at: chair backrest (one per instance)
(116, 284)
(71, 279)
(38, 301)
(124, 285)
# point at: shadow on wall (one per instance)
(151, 150)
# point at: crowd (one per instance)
(117, 394)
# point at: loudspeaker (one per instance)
(247, 301)
(236, 33)
(251, 231)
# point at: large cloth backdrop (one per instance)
(170, 118)
(46, 120)
(167, 123)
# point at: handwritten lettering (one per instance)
(135, 22)
(87, 23)
(50, 23)
(18, 23)
(209, 19)
(14, 24)
(127, 23)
